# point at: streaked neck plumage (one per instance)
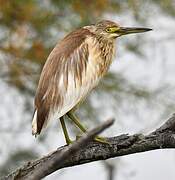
(106, 47)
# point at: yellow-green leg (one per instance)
(82, 128)
(76, 121)
(66, 135)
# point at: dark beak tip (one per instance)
(149, 29)
(145, 29)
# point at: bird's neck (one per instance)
(107, 47)
(107, 52)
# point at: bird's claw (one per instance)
(101, 140)
(97, 139)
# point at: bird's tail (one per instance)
(34, 124)
(38, 123)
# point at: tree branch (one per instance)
(164, 137)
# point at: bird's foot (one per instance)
(97, 138)
(68, 142)
(101, 140)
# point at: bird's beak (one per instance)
(131, 30)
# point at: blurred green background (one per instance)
(139, 86)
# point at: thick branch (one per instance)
(164, 137)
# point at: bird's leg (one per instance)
(82, 128)
(76, 121)
(68, 141)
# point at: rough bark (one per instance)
(162, 138)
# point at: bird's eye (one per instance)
(108, 30)
(112, 29)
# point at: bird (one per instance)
(72, 70)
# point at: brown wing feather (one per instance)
(47, 95)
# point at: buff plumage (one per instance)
(73, 69)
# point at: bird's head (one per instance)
(112, 30)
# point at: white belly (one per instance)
(76, 93)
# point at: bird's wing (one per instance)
(61, 84)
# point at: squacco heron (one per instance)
(73, 68)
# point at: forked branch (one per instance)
(85, 150)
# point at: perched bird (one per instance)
(72, 70)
